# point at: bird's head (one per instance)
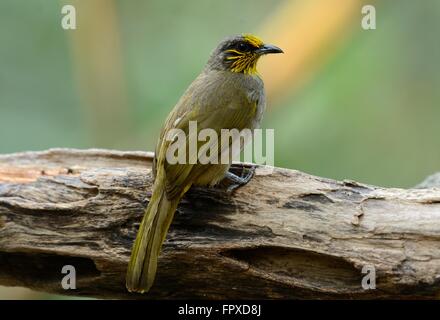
(240, 54)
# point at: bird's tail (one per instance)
(152, 232)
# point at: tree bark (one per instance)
(286, 234)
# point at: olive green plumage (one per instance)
(227, 94)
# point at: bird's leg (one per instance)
(234, 181)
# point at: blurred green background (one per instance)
(365, 108)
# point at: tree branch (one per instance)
(286, 234)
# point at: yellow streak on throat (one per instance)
(247, 65)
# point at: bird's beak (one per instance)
(268, 48)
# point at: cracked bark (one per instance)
(286, 234)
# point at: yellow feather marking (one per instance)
(246, 62)
(253, 40)
(234, 51)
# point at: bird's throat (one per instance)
(245, 65)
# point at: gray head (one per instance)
(239, 54)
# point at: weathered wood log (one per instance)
(286, 234)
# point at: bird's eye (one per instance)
(243, 47)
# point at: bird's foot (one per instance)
(234, 180)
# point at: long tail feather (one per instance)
(152, 232)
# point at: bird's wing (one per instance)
(223, 109)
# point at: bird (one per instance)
(227, 94)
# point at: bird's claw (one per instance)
(235, 181)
